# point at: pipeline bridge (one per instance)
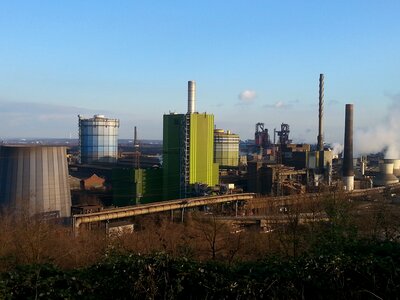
(251, 200)
(361, 194)
(155, 207)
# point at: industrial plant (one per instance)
(188, 150)
(196, 165)
(199, 150)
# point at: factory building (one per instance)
(35, 179)
(295, 155)
(188, 150)
(98, 139)
(275, 179)
(173, 151)
(261, 136)
(226, 148)
(258, 180)
(136, 186)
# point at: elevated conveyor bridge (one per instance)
(182, 204)
(143, 209)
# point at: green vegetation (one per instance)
(363, 271)
(347, 250)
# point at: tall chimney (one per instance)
(348, 171)
(191, 96)
(135, 137)
(321, 113)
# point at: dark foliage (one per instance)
(363, 269)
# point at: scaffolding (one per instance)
(185, 163)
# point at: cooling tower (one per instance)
(348, 169)
(35, 178)
(396, 167)
(386, 176)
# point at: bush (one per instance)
(366, 269)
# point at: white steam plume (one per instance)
(337, 149)
(382, 137)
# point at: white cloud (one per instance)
(247, 96)
(277, 105)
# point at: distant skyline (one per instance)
(255, 61)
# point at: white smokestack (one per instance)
(348, 182)
(191, 96)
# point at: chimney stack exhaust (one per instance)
(191, 96)
(321, 113)
(135, 141)
(348, 169)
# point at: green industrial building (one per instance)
(173, 151)
(188, 151)
(201, 165)
(136, 186)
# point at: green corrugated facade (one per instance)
(202, 168)
(123, 187)
(202, 149)
(135, 186)
(173, 147)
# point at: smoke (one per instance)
(382, 137)
(247, 96)
(337, 148)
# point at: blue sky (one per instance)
(253, 61)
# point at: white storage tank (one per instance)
(98, 139)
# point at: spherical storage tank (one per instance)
(35, 178)
(98, 139)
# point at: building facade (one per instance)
(136, 186)
(202, 168)
(188, 153)
(98, 139)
